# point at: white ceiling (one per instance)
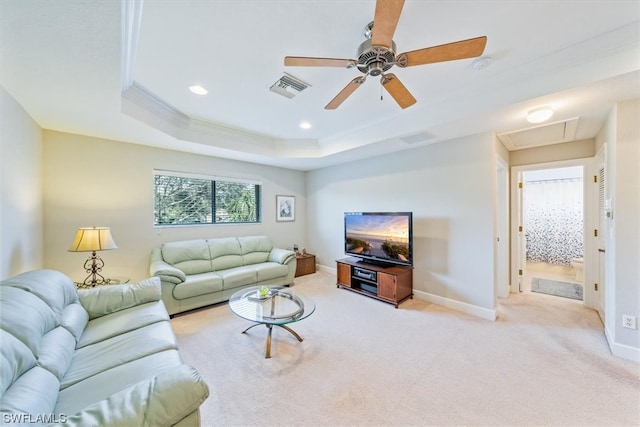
(121, 70)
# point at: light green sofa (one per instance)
(197, 273)
(106, 356)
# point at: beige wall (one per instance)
(21, 245)
(449, 187)
(91, 181)
(553, 153)
(621, 137)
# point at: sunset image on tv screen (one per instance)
(382, 236)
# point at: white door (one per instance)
(601, 237)
(519, 252)
(502, 229)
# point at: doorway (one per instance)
(553, 220)
(560, 267)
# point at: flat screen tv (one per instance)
(379, 237)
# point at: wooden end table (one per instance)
(305, 264)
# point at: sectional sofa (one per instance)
(106, 356)
(197, 273)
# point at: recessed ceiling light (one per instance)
(539, 115)
(305, 125)
(198, 90)
(481, 63)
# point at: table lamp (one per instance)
(93, 239)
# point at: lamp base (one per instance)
(93, 266)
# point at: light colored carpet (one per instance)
(544, 362)
(557, 288)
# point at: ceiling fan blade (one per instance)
(344, 93)
(306, 61)
(397, 90)
(385, 21)
(445, 52)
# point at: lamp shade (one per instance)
(90, 239)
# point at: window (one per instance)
(182, 199)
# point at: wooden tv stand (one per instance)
(388, 284)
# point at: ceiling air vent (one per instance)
(288, 86)
(417, 137)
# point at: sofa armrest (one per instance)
(282, 256)
(108, 299)
(165, 271)
(160, 401)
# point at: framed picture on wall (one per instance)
(285, 208)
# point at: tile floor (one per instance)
(547, 271)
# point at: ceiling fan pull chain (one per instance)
(380, 92)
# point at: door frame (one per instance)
(590, 220)
(502, 234)
(600, 264)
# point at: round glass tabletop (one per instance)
(281, 305)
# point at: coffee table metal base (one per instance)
(270, 327)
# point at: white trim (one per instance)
(452, 304)
(326, 269)
(131, 22)
(586, 164)
(502, 228)
(142, 104)
(622, 350)
(207, 177)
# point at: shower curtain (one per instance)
(553, 220)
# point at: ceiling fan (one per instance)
(377, 54)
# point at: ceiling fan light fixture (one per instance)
(198, 90)
(539, 115)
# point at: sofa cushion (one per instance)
(239, 276)
(16, 359)
(36, 349)
(101, 356)
(56, 351)
(198, 284)
(225, 253)
(108, 299)
(255, 249)
(41, 387)
(100, 386)
(26, 316)
(122, 321)
(74, 319)
(269, 270)
(190, 256)
(162, 400)
(51, 286)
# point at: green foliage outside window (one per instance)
(183, 200)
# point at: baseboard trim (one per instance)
(463, 307)
(622, 350)
(326, 269)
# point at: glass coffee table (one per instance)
(279, 307)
